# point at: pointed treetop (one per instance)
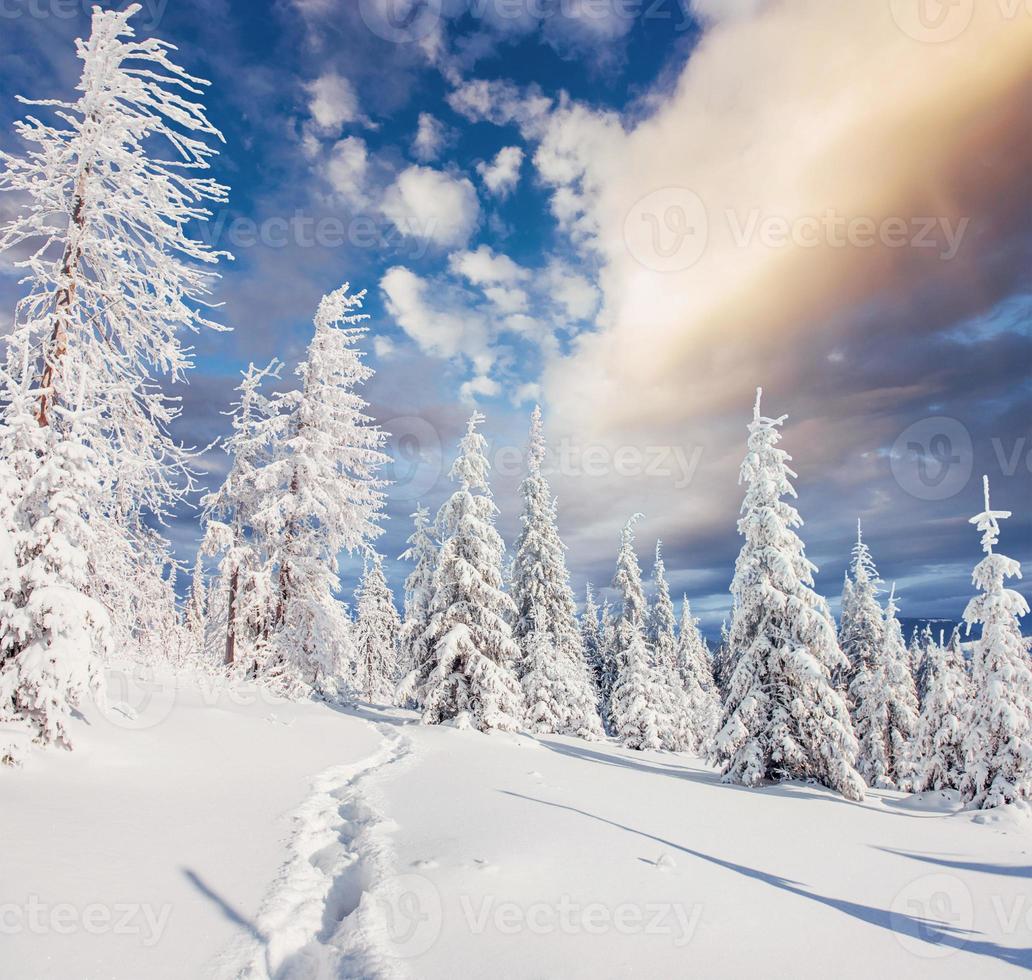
(536, 445)
(859, 531)
(759, 421)
(892, 607)
(627, 534)
(988, 522)
(659, 552)
(337, 307)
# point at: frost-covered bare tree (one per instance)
(782, 717)
(240, 604)
(106, 191)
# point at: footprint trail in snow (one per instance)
(338, 908)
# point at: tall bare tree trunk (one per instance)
(65, 297)
(234, 583)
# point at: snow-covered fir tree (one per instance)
(561, 697)
(644, 712)
(52, 632)
(591, 636)
(241, 603)
(782, 718)
(998, 722)
(607, 664)
(473, 681)
(321, 494)
(662, 623)
(723, 661)
(635, 709)
(195, 615)
(377, 627)
(105, 196)
(885, 711)
(862, 624)
(939, 746)
(921, 665)
(694, 667)
(415, 653)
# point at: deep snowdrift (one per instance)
(204, 830)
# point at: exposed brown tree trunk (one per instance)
(65, 296)
(234, 583)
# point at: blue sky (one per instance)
(507, 253)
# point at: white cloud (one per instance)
(431, 205)
(431, 137)
(507, 300)
(500, 102)
(433, 319)
(572, 291)
(384, 347)
(501, 175)
(481, 385)
(483, 266)
(332, 101)
(526, 393)
(346, 168)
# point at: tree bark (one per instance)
(65, 296)
(234, 583)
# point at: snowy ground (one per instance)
(213, 833)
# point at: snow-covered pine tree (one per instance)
(643, 712)
(636, 712)
(608, 665)
(662, 623)
(939, 747)
(932, 653)
(113, 280)
(195, 615)
(51, 631)
(862, 625)
(415, 655)
(885, 712)
(241, 605)
(723, 661)
(677, 725)
(473, 681)
(376, 634)
(782, 719)
(998, 722)
(545, 606)
(591, 634)
(321, 494)
(915, 653)
(695, 670)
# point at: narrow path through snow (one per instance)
(324, 915)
